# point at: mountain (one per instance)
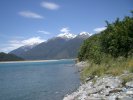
(61, 47)
(67, 35)
(23, 49)
(9, 57)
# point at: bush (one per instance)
(91, 49)
(116, 41)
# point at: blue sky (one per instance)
(28, 21)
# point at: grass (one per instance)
(108, 66)
(126, 78)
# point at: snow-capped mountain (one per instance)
(67, 35)
(72, 36)
(65, 45)
(84, 33)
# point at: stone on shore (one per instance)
(104, 88)
(81, 65)
(129, 84)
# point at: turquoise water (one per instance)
(38, 80)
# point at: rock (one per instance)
(89, 78)
(129, 84)
(112, 97)
(109, 82)
(95, 98)
(95, 90)
(83, 96)
(81, 65)
(125, 98)
(113, 82)
(105, 88)
(105, 92)
(129, 92)
(97, 95)
(124, 89)
(115, 90)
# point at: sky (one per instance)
(25, 22)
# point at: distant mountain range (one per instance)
(61, 47)
(9, 57)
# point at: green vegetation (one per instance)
(110, 66)
(9, 57)
(109, 52)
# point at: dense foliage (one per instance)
(91, 49)
(9, 57)
(115, 41)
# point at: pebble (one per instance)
(105, 88)
(129, 92)
(129, 84)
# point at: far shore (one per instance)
(32, 61)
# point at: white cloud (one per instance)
(29, 14)
(65, 30)
(66, 34)
(50, 5)
(7, 49)
(14, 44)
(32, 41)
(43, 32)
(100, 29)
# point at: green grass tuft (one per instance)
(109, 66)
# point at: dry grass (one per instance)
(109, 66)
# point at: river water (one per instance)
(50, 80)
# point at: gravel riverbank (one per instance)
(104, 88)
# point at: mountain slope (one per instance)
(21, 50)
(45, 50)
(60, 47)
(9, 57)
(72, 46)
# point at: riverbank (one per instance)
(26, 61)
(103, 86)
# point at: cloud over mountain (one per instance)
(65, 30)
(14, 44)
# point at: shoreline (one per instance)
(106, 87)
(28, 61)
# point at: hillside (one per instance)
(23, 49)
(9, 57)
(112, 48)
